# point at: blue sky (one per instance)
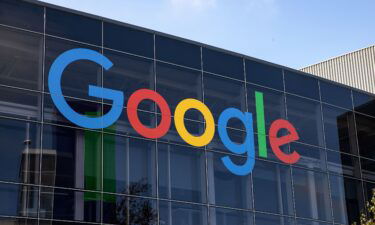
(294, 33)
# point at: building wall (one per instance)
(53, 172)
(355, 69)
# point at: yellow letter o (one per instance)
(179, 116)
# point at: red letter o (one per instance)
(132, 107)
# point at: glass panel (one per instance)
(176, 84)
(236, 136)
(71, 158)
(19, 151)
(368, 169)
(222, 93)
(129, 166)
(265, 75)
(368, 190)
(182, 173)
(221, 216)
(309, 222)
(311, 157)
(347, 199)
(128, 74)
(336, 95)
(364, 103)
(265, 219)
(16, 221)
(63, 204)
(69, 25)
(128, 40)
(173, 213)
(311, 194)
(19, 200)
(365, 135)
(273, 101)
(273, 188)
(119, 209)
(343, 164)
(21, 58)
(339, 129)
(225, 188)
(53, 115)
(178, 52)
(223, 64)
(301, 84)
(20, 104)
(306, 116)
(15, 13)
(194, 128)
(78, 75)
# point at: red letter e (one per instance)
(276, 142)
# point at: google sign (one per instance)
(117, 97)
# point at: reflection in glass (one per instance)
(225, 188)
(347, 199)
(19, 151)
(311, 157)
(343, 164)
(128, 74)
(309, 222)
(182, 173)
(273, 101)
(173, 213)
(129, 166)
(222, 93)
(339, 129)
(311, 194)
(78, 75)
(306, 117)
(364, 103)
(368, 169)
(365, 135)
(20, 104)
(18, 200)
(74, 158)
(21, 56)
(336, 95)
(124, 210)
(222, 216)
(265, 219)
(272, 188)
(265, 75)
(64, 204)
(301, 84)
(176, 84)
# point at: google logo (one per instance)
(117, 97)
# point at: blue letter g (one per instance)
(54, 83)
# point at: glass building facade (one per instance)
(53, 172)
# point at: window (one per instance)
(222, 216)
(78, 75)
(266, 219)
(311, 194)
(272, 188)
(128, 74)
(311, 157)
(365, 135)
(343, 164)
(301, 84)
(20, 152)
(21, 58)
(336, 95)
(306, 117)
(265, 75)
(70, 26)
(339, 129)
(128, 40)
(182, 173)
(223, 64)
(173, 213)
(15, 13)
(225, 188)
(71, 158)
(176, 84)
(178, 52)
(363, 103)
(129, 166)
(62, 204)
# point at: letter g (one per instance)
(54, 83)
